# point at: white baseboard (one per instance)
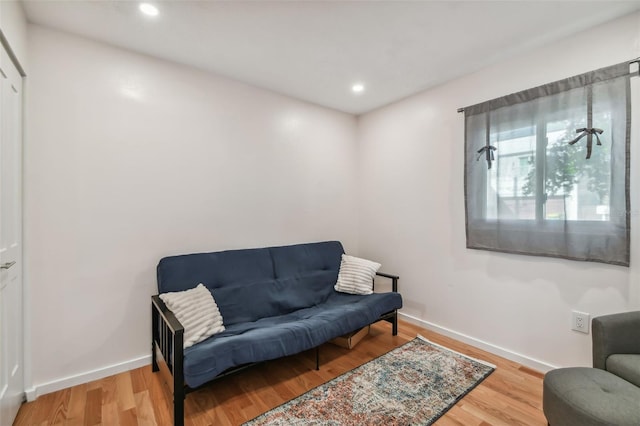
(489, 347)
(66, 382)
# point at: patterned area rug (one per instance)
(413, 384)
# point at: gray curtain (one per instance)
(529, 186)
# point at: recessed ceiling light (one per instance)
(357, 88)
(148, 9)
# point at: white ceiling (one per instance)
(315, 50)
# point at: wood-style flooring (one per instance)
(512, 395)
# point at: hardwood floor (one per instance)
(512, 395)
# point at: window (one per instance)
(547, 169)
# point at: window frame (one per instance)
(541, 195)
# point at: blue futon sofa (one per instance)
(275, 302)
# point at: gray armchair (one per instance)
(607, 394)
(616, 345)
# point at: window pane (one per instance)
(511, 182)
(576, 188)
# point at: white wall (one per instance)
(412, 215)
(129, 159)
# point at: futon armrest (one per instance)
(394, 280)
(167, 316)
(615, 334)
(167, 335)
(393, 277)
(167, 338)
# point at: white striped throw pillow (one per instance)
(197, 311)
(356, 275)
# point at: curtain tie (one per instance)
(589, 132)
(488, 150)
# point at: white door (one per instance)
(11, 305)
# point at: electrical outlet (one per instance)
(580, 322)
